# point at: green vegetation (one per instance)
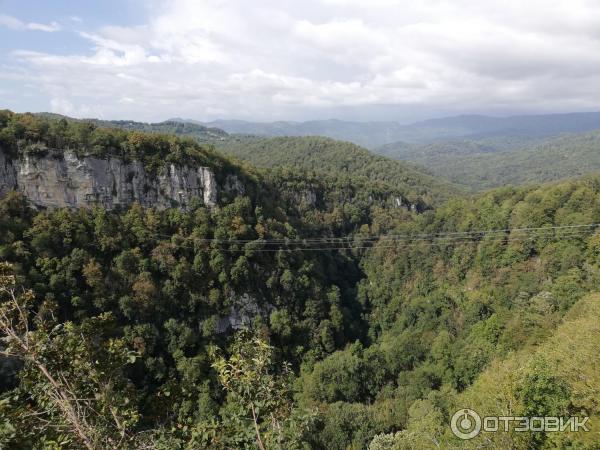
(556, 379)
(493, 162)
(433, 152)
(187, 129)
(464, 127)
(37, 135)
(327, 156)
(115, 324)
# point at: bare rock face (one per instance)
(243, 311)
(185, 183)
(68, 181)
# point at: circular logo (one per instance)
(465, 424)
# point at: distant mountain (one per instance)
(424, 153)
(369, 134)
(376, 134)
(492, 162)
(475, 126)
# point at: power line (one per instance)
(435, 240)
(410, 237)
(401, 244)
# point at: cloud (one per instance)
(15, 24)
(63, 106)
(284, 59)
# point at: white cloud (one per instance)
(273, 59)
(63, 106)
(15, 24)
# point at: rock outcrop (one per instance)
(64, 180)
(244, 310)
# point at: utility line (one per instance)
(397, 237)
(570, 231)
(401, 244)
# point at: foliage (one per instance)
(37, 135)
(259, 409)
(72, 387)
(327, 156)
(386, 337)
(487, 163)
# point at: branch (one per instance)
(258, 438)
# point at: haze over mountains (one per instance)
(472, 152)
(479, 152)
(375, 134)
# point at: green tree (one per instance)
(72, 388)
(259, 410)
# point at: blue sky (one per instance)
(70, 19)
(285, 59)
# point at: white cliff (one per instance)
(64, 180)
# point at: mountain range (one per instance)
(509, 151)
(376, 134)
(178, 287)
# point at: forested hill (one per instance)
(502, 322)
(324, 156)
(375, 134)
(305, 311)
(46, 138)
(492, 162)
(328, 156)
(196, 131)
(128, 306)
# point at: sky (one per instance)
(268, 60)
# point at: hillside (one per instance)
(484, 164)
(428, 153)
(324, 155)
(377, 134)
(305, 307)
(448, 308)
(196, 131)
(557, 378)
(114, 164)
(138, 297)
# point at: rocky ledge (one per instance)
(65, 180)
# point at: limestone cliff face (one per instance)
(64, 180)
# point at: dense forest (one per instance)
(310, 312)
(493, 162)
(187, 129)
(327, 156)
(442, 167)
(317, 156)
(374, 134)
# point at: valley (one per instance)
(388, 295)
